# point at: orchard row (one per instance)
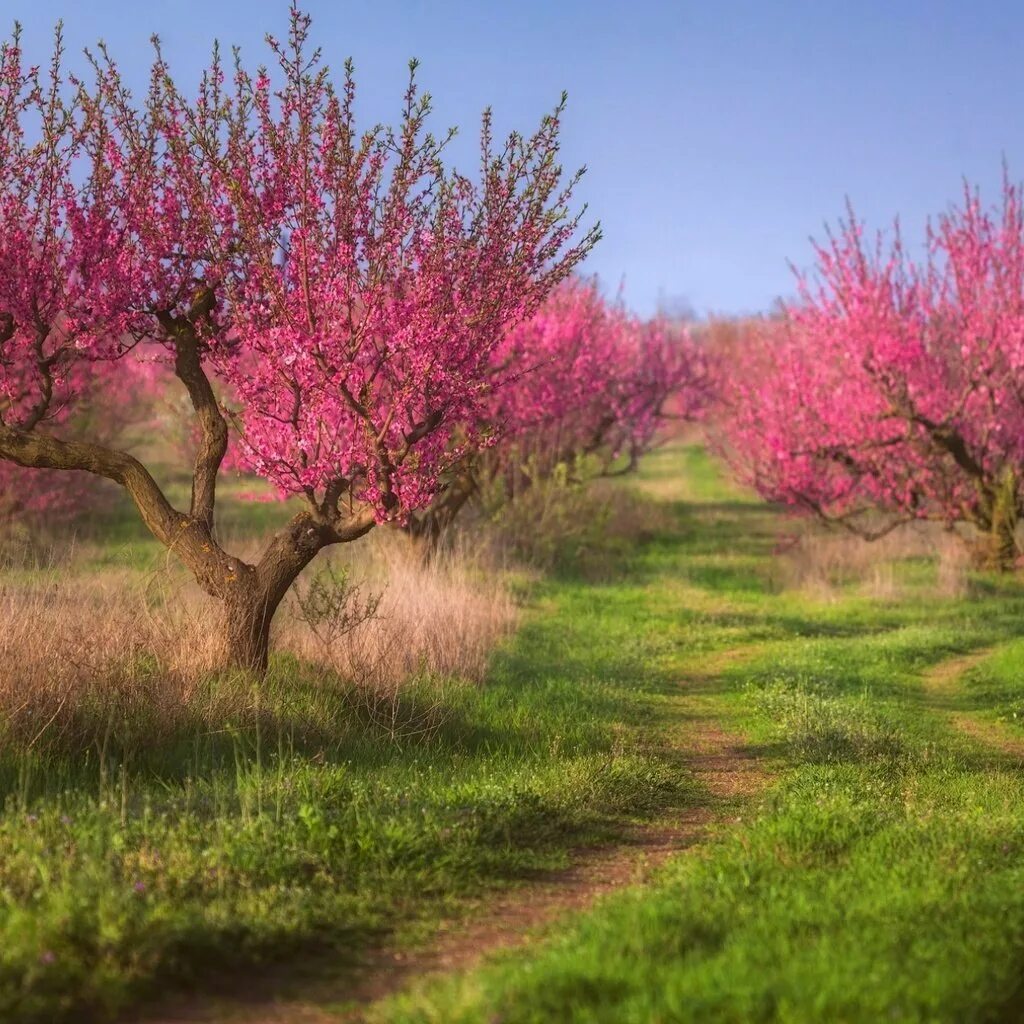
(373, 332)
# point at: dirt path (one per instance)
(717, 758)
(942, 686)
(943, 680)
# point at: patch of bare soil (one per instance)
(718, 759)
(992, 734)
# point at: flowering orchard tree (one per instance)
(543, 373)
(58, 241)
(596, 382)
(894, 390)
(346, 288)
(562, 396)
(663, 375)
(579, 378)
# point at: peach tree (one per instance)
(344, 286)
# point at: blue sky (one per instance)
(719, 134)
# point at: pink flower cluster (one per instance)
(64, 300)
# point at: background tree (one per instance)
(116, 410)
(894, 390)
(580, 380)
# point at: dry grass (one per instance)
(87, 656)
(823, 564)
(91, 656)
(441, 617)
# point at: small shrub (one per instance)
(566, 521)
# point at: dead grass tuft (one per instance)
(437, 617)
(823, 564)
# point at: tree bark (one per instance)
(430, 528)
(248, 614)
(213, 430)
(252, 599)
(998, 549)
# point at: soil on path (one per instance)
(943, 687)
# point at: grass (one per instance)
(879, 879)
(994, 689)
(155, 837)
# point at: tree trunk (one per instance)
(999, 547)
(426, 532)
(252, 594)
(431, 529)
(248, 616)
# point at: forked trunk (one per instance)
(252, 594)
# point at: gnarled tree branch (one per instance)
(213, 429)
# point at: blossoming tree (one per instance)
(346, 287)
(894, 390)
(580, 378)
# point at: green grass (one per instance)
(881, 878)
(320, 831)
(994, 689)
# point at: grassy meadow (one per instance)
(166, 828)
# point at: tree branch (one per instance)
(294, 546)
(213, 430)
(186, 537)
